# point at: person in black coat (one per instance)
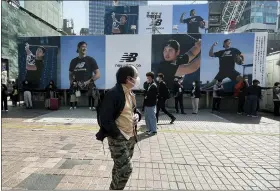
(253, 94)
(163, 95)
(195, 95)
(145, 86)
(4, 97)
(178, 91)
(50, 93)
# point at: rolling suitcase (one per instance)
(53, 103)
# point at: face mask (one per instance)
(157, 79)
(193, 84)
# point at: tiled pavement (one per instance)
(58, 151)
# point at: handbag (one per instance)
(78, 93)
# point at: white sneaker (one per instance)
(75, 107)
(239, 113)
(7, 110)
(254, 116)
(93, 108)
(71, 108)
(89, 108)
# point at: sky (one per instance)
(243, 42)
(77, 10)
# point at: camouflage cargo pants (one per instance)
(121, 152)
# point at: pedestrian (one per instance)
(75, 93)
(27, 87)
(118, 117)
(163, 95)
(218, 90)
(276, 98)
(253, 95)
(50, 93)
(241, 88)
(150, 104)
(15, 94)
(145, 86)
(178, 90)
(4, 97)
(195, 96)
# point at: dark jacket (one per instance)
(276, 91)
(151, 95)
(163, 91)
(176, 88)
(196, 93)
(73, 89)
(109, 110)
(243, 89)
(50, 88)
(4, 90)
(26, 87)
(254, 90)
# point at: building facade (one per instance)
(49, 11)
(258, 16)
(97, 12)
(68, 26)
(17, 23)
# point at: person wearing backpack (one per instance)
(117, 118)
(178, 91)
(218, 90)
(163, 95)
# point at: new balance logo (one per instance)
(131, 57)
(80, 65)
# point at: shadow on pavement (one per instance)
(243, 119)
(22, 112)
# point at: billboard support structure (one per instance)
(154, 28)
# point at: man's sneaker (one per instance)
(71, 108)
(172, 120)
(75, 107)
(254, 116)
(93, 108)
(148, 131)
(249, 115)
(152, 133)
(183, 113)
(239, 113)
(7, 110)
(89, 108)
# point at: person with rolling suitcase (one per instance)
(51, 101)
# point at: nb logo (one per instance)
(158, 22)
(80, 65)
(131, 57)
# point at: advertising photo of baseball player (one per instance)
(83, 68)
(38, 60)
(121, 20)
(191, 19)
(176, 55)
(226, 64)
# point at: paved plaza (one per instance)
(44, 150)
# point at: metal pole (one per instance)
(207, 99)
(65, 98)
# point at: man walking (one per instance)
(118, 117)
(217, 95)
(150, 104)
(178, 90)
(163, 95)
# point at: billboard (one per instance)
(176, 55)
(38, 60)
(81, 67)
(42, 59)
(223, 65)
(190, 18)
(122, 50)
(121, 20)
(158, 16)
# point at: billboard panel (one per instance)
(190, 18)
(176, 55)
(223, 65)
(38, 60)
(82, 68)
(127, 49)
(158, 16)
(121, 20)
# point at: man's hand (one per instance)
(87, 82)
(198, 43)
(135, 119)
(215, 44)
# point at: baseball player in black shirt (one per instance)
(193, 22)
(227, 60)
(83, 68)
(175, 64)
(34, 65)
